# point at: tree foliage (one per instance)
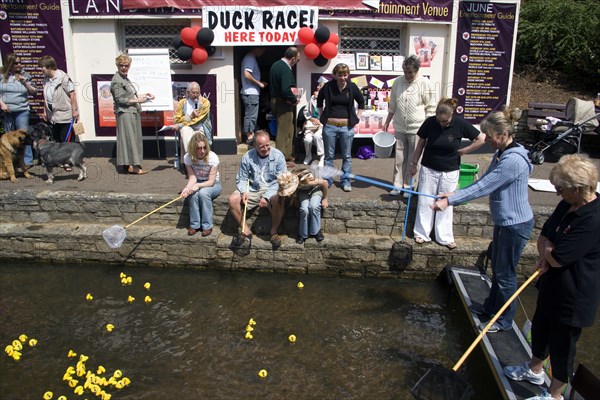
(562, 35)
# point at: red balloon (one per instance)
(188, 36)
(199, 55)
(329, 50)
(334, 38)
(306, 35)
(311, 51)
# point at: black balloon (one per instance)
(322, 34)
(184, 52)
(320, 61)
(205, 37)
(211, 50)
(176, 42)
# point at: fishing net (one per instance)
(441, 384)
(114, 236)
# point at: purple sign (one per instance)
(85, 8)
(32, 29)
(405, 10)
(484, 42)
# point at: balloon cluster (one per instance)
(195, 44)
(320, 45)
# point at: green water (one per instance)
(356, 338)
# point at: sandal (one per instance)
(67, 167)
(419, 240)
(451, 245)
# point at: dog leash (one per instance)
(68, 137)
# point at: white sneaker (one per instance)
(307, 159)
(322, 160)
(347, 188)
(394, 192)
(524, 373)
(544, 396)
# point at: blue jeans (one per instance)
(201, 206)
(345, 135)
(19, 120)
(310, 212)
(509, 242)
(250, 112)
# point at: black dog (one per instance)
(55, 154)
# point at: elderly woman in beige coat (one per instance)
(129, 125)
(412, 100)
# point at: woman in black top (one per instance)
(569, 287)
(339, 116)
(439, 140)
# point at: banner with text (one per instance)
(484, 56)
(244, 26)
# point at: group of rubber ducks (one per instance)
(15, 349)
(250, 328)
(95, 383)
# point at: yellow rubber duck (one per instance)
(73, 382)
(78, 390)
(83, 358)
(48, 395)
(23, 338)
(70, 370)
(252, 322)
(89, 297)
(71, 354)
(112, 380)
(67, 377)
(16, 355)
(9, 350)
(124, 281)
(62, 398)
(17, 345)
(118, 374)
(129, 280)
(249, 335)
(300, 285)
(106, 396)
(147, 285)
(126, 380)
(33, 342)
(122, 275)
(100, 370)
(292, 338)
(249, 328)
(130, 299)
(119, 385)
(103, 382)
(110, 327)
(96, 380)
(147, 299)
(262, 373)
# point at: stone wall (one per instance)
(362, 237)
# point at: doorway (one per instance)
(271, 55)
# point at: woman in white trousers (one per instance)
(439, 142)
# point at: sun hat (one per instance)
(288, 183)
(305, 178)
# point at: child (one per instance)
(312, 196)
(313, 129)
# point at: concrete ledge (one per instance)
(61, 226)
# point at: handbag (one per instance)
(78, 128)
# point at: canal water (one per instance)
(355, 338)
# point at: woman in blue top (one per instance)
(15, 88)
(439, 140)
(505, 182)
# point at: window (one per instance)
(153, 34)
(385, 40)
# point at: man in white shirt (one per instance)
(251, 86)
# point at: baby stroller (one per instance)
(564, 137)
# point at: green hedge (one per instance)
(562, 35)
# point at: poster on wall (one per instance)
(32, 29)
(104, 116)
(484, 43)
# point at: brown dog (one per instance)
(12, 147)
